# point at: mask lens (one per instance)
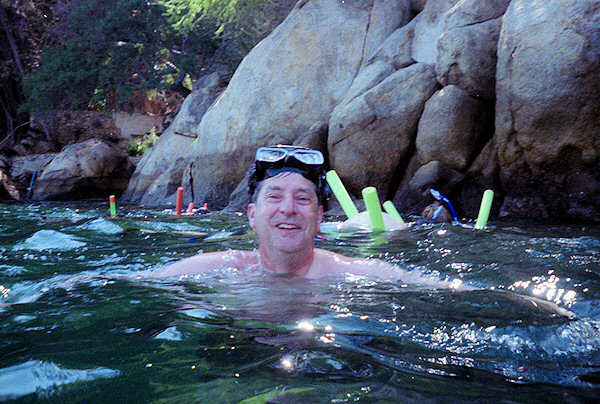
(270, 154)
(312, 157)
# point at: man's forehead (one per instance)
(289, 180)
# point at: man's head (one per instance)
(286, 215)
(287, 187)
(271, 161)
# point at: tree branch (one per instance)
(11, 42)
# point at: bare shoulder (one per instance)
(330, 263)
(208, 262)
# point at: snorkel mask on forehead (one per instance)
(270, 161)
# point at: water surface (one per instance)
(78, 325)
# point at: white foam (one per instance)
(38, 376)
(101, 225)
(170, 334)
(50, 240)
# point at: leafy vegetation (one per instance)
(139, 147)
(24, 31)
(90, 54)
(107, 50)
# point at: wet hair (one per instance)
(256, 181)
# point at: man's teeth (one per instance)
(287, 226)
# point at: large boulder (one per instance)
(357, 79)
(372, 130)
(459, 39)
(91, 169)
(386, 16)
(449, 128)
(548, 97)
(466, 50)
(287, 83)
(24, 169)
(396, 50)
(436, 175)
(428, 30)
(369, 136)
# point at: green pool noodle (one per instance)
(391, 210)
(484, 209)
(341, 194)
(374, 208)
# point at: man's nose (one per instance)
(287, 205)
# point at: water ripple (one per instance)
(42, 377)
(50, 240)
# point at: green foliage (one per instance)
(139, 147)
(107, 51)
(243, 21)
(61, 80)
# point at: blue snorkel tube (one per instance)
(446, 201)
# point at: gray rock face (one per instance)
(91, 169)
(449, 128)
(161, 170)
(467, 48)
(436, 175)
(23, 167)
(289, 81)
(399, 95)
(369, 136)
(429, 28)
(417, 5)
(548, 97)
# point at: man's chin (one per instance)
(289, 247)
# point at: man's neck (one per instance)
(298, 263)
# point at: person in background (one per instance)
(436, 212)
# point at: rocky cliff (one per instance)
(406, 95)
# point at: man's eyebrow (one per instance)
(307, 190)
(273, 188)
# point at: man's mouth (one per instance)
(287, 226)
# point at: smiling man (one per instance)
(288, 188)
(286, 216)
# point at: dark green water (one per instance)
(76, 325)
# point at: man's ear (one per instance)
(250, 214)
(320, 213)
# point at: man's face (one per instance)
(286, 215)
